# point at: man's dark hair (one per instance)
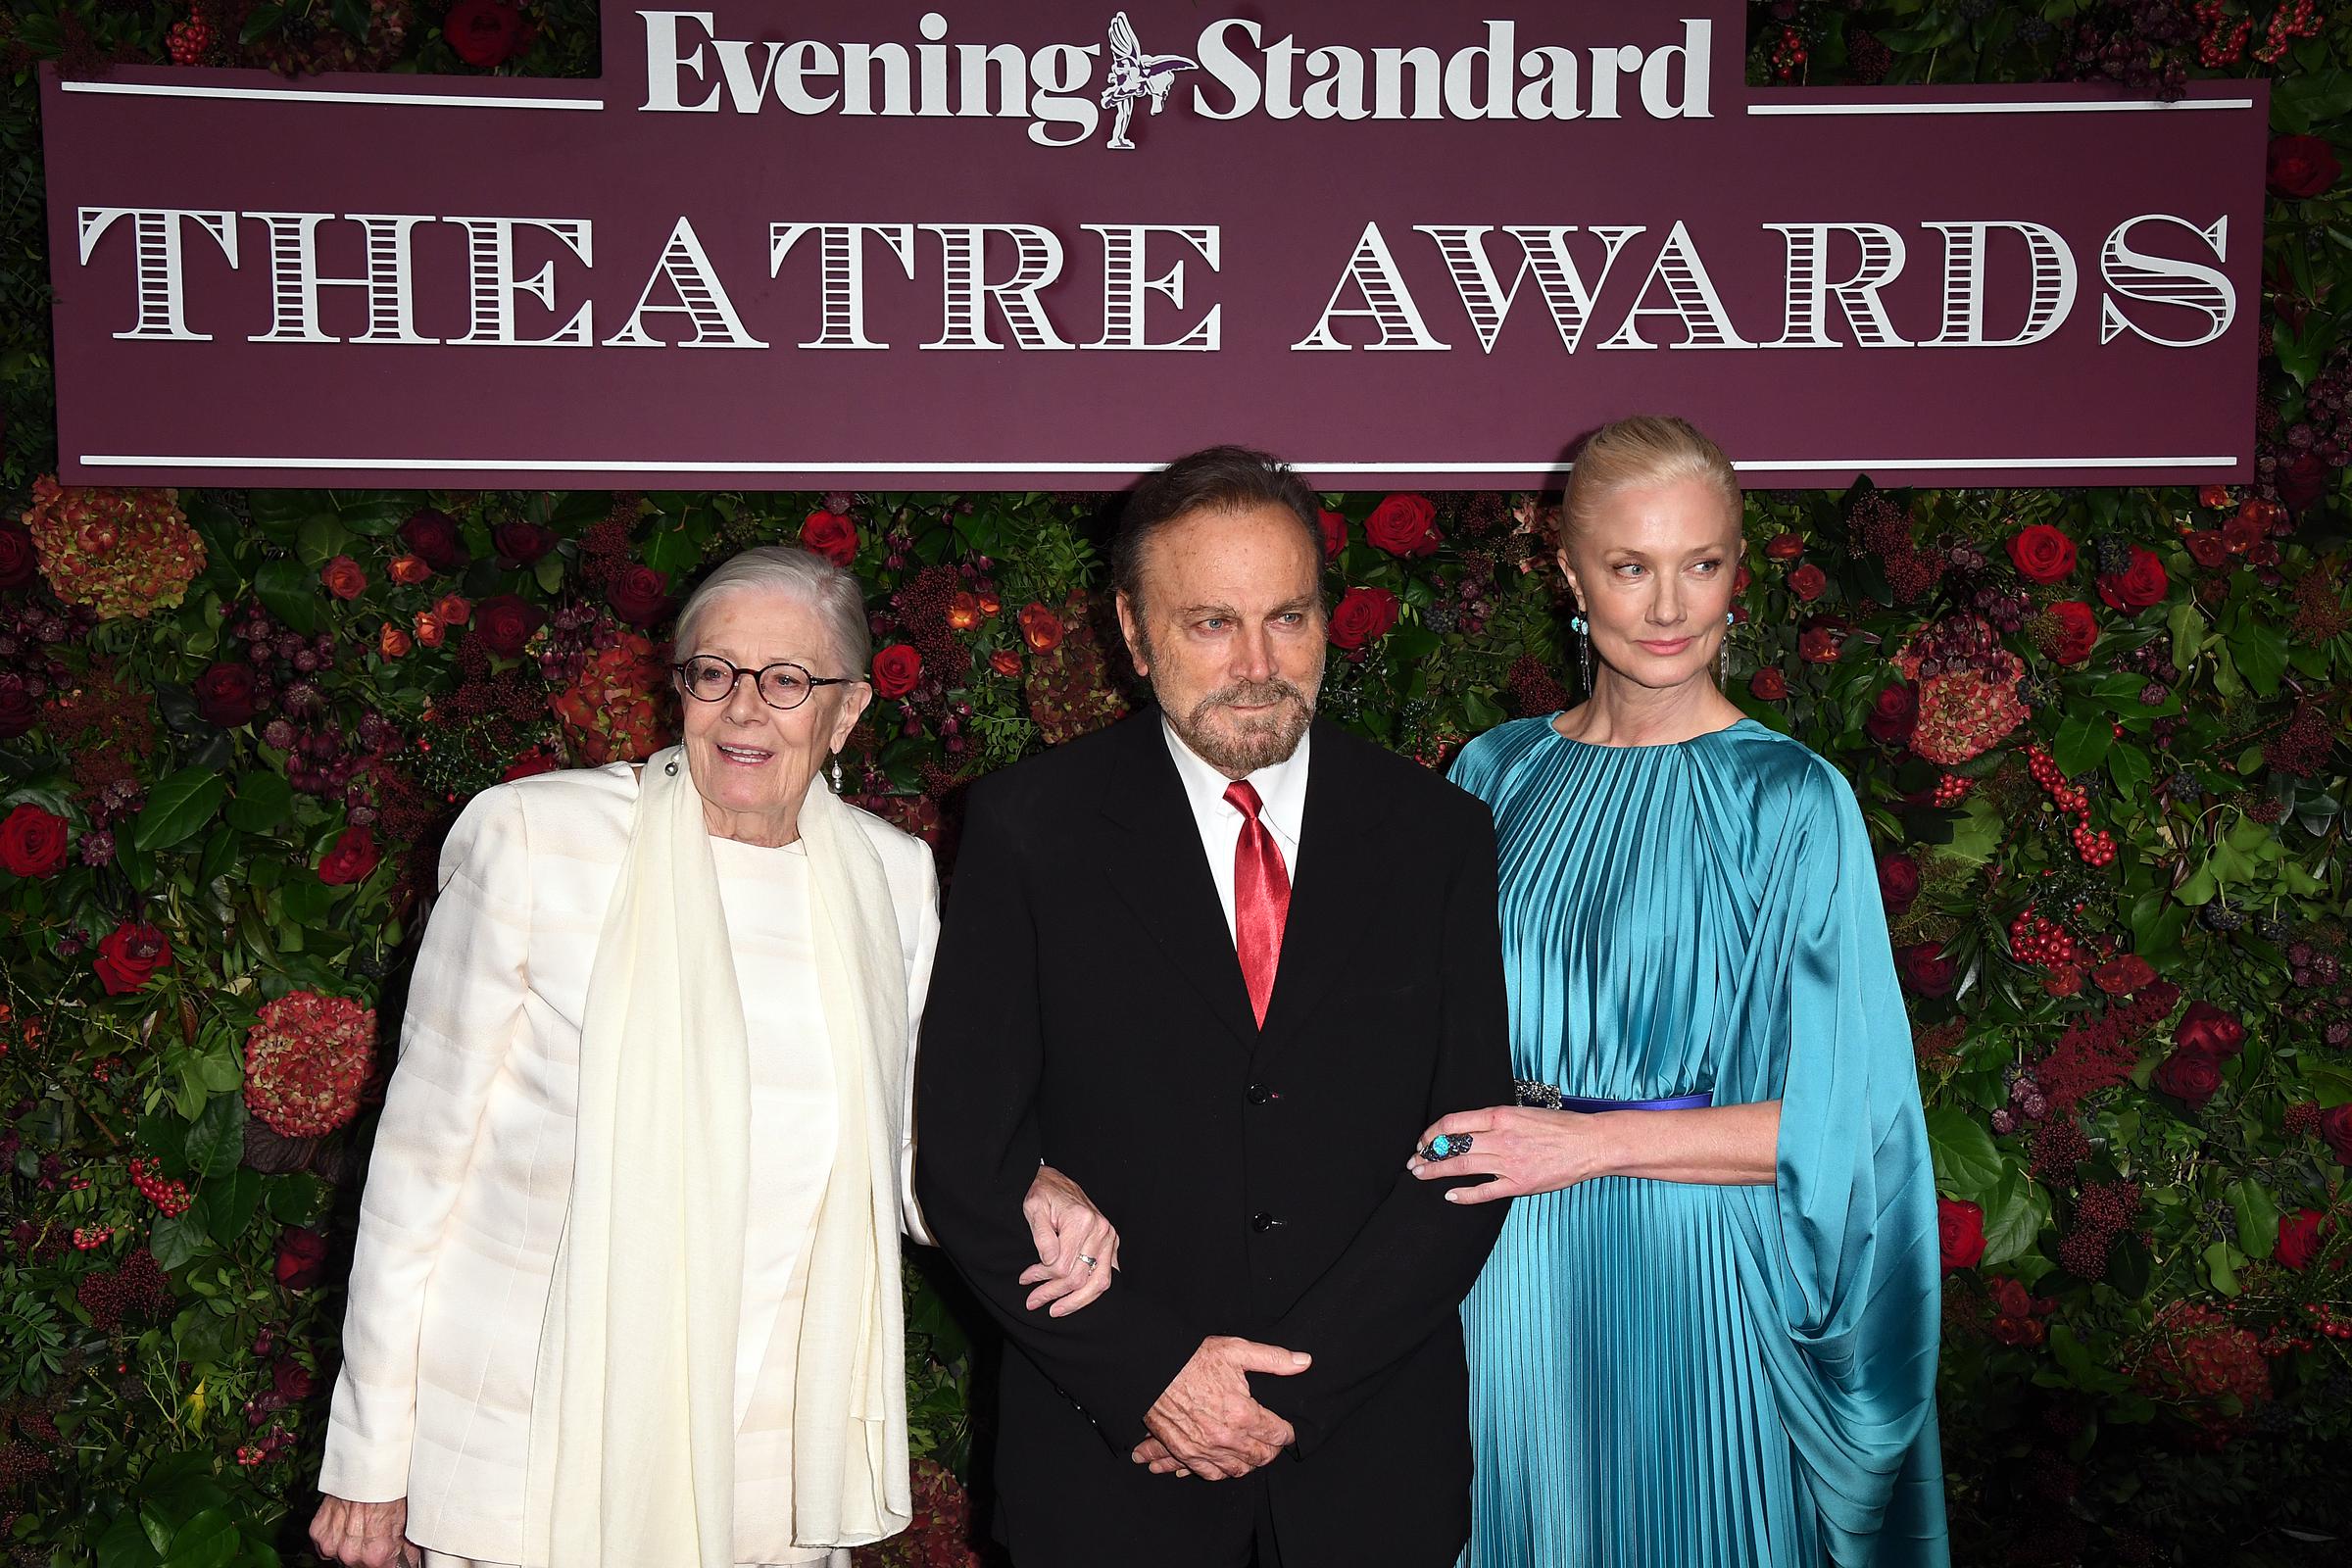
(1213, 479)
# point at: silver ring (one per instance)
(1090, 1263)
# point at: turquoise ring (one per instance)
(1446, 1146)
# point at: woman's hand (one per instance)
(1525, 1151)
(1076, 1247)
(364, 1534)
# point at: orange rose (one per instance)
(990, 604)
(963, 612)
(453, 611)
(1006, 662)
(1040, 627)
(409, 569)
(428, 628)
(392, 642)
(344, 578)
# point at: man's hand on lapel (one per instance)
(1206, 1423)
(1077, 1248)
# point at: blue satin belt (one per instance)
(1548, 1097)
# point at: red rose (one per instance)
(1898, 882)
(301, 1257)
(291, 1380)
(19, 561)
(224, 694)
(1403, 525)
(1785, 547)
(1362, 616)
(1819, 644)
(1924, 968)
(1769, 684)
(2136, 586)
(831, 535)
(896, 668)
(2078, 631)
(525, 543)
(453, 611)
(352, 858)
(17, 711)
(129, 956)
(1335, 533)
(32, 841)
(484, 32)
(2190, 1077)
(2303, 480)
(529, 762)
(2242, 533)
(1807, 582)
(1041, 628)
(2299, 1236)
(2041, 553)
(1959, 1233)
(408, 570)
(2208, 1029)
(505, 623)
(639, 594)
(344, 578)
(2123, 975)
(1006, 662)
(2301, 166)
(2206, 548)
(433, 537)
(1893, 714)
(2336, 1129)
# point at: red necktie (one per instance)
(1262, 898)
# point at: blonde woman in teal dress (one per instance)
(1708, 1334)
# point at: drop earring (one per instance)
(1726, 660)
(1583, 650)
(837, 774)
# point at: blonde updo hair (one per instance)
(1648, 448)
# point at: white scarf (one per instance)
(632, 1444)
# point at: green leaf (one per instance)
(1967, 1164)
(2130, 767)
(126, 1546)
(2257, 1217)
(2199, 889)
(227, 1202)
(2261, 653)
(2014, 1218)
(2187, 627)
(218, 1139)
(290, 592)
(176, 1239)
(2222, 1263)
(178, 806)
(296, 1199)
(208, 1540)
(351, 19)
(262, 802)
(219, 857)
(2082, 744)
(263, 21)
(548, 572)
(320, 541)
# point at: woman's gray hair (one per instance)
(837, 597)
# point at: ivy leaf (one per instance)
(2257, 1217)
(320, 541)
(227, 1202)
(2082, 744)
(218, 1139)
(2130, 767)
(2261, 653)
(2014, 1218)
(178, 806)
(351, 19)
(1967, 1164)
(290, 593)
(263, 21)
(175, 1240)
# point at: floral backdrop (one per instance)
(2099, 737)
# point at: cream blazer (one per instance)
(471, 1174)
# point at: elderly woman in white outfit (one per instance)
(626, 1287)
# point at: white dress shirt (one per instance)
(1282, 806)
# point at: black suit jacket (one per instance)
(1087, 1009)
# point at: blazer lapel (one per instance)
(1338, 886)
(1158, 870)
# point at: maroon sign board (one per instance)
(1048, 245)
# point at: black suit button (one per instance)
(1263, 1222)
(1259, 1095)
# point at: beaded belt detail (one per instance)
(1548, 1097)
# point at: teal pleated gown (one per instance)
(1682, 1375)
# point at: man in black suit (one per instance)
(1222, 965)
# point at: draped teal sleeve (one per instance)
(1851, 1263)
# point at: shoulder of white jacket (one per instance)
(902, 854)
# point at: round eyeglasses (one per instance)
(709, 678)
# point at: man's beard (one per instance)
(1246, 743)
